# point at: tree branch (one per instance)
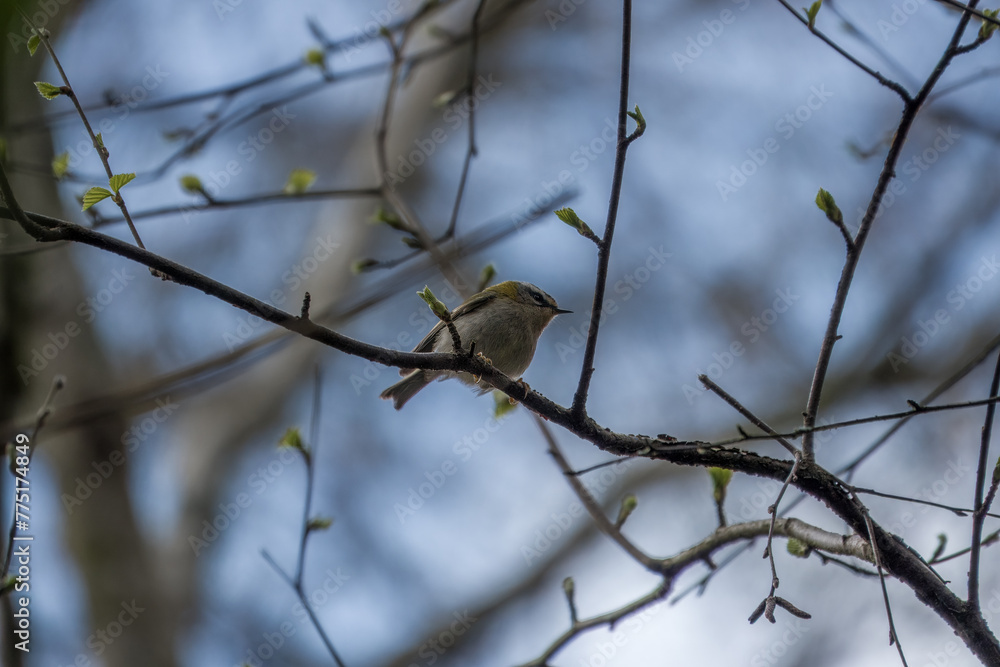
(604, 249)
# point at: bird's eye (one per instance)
(539, 299)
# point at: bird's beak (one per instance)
(560, 311)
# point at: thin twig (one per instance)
(850, 567)
(253, 200)
(910, 111)
(609, 618)
(225, 92)
(593, 507)
(888, 83)
(770, 601)
(579, 408)
(295, 582)
(935, 393)
(921, 409)
(979, 514)
(970, 8)
(893, 637)
(961, 511)
(304, 601)
(471, 150)
(310, 473)
(987, 541)
(410, 221)
(754, 419)
(102, 151)
(58, 382)
(256, 108)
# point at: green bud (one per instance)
(502, 405)
(640, 122)
(720, 480)
(192, 184)
(798, 548)
(316, 57)
(486, 276)
(299, 181)
(362, 265)
(825, 202)
(436, 306)
(292, 439)
(385, 217)
(570, 217)
(987, 29)
(629, 503)
(318, 523)
(60, 165)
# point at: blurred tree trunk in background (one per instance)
(109, 551)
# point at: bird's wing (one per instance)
(427, 344)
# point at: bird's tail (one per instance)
(406, 388)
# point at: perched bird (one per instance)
(504, 321)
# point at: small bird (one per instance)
(504, 321)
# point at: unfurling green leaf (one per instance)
(825, 202)
(987, 29)
(299, 181)
(812, 12)
(94, 195)
(33, 43)
(570, 217)
(118, 181)
(640, 122)
(47, 90)
(60, 165)
(436, 306)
